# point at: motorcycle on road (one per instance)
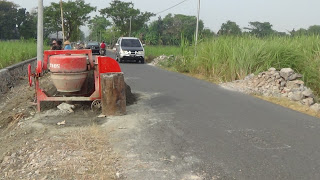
(102, 52)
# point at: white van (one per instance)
(129, 49)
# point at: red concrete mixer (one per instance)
(72, 72)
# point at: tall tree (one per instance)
(27, 24)
(314, 30)
(75, 14)
(229, 28)
(52, 19)
(299, 32)
(260, 29)
(121, 13)
(153, 32)
(177, 25)
(8, 20)
(16, 22)
(98, 26)
(171, 29)
(206, 33)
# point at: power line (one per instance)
(172, 7)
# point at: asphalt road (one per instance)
(221, 134)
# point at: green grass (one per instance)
(232, 58)
(12, 52)
(155, 51)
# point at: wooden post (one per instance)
(113, 94)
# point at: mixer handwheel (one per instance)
(96, 104)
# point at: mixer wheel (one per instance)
(96, 104)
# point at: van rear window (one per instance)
(130, 43)
(93, 44)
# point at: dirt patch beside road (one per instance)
(57, 153)
(16, 104)
(34, 146)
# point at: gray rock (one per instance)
(307, 93)
(283, 83)
(272, 69)
(296, 89)
(277, 75)
(303, 88)
(270, 80)
(294, 84)
(294, 76)
(249, 77)
(284, 95)
(66, 107)
(308, 101)
(286, 72)
(295, 96)
(13, 155)
(262, 83)
(286, 90)
(6, 159)
(315, 107)
(275, 88)
(298, 82)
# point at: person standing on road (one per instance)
(67, 45)
(102, 48)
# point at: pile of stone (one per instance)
(284, 83)
(160, 59)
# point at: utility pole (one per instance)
(40, 31)
(62, 21)
(130, 26)
(197, 28)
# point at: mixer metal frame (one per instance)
(102, 64)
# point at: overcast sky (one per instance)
(282, 14)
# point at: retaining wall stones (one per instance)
(9, 76)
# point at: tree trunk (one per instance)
(113, 94)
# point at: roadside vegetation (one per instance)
(12, 52)
(229, 58)
(155, 51)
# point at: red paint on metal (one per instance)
(39, 67)
(66, 52)
(102, 65)
(29, 75)
(68, 63)
(107, 65)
